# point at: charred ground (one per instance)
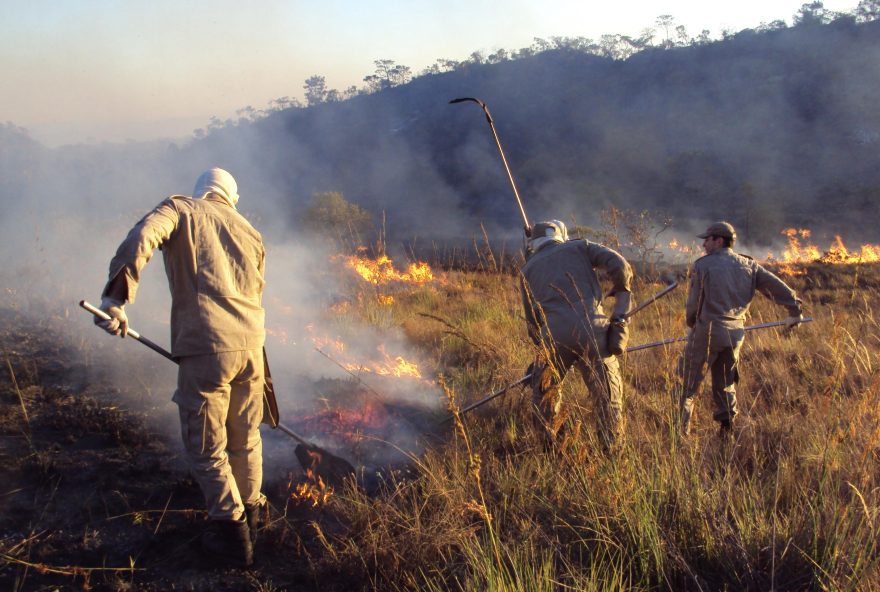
(96, 497)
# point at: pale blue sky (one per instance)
(96, 70)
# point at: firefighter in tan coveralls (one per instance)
(562, 300)
(214, 260)
(722, 286)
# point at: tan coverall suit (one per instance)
(215, 261)
(722, 287)
(562, 302)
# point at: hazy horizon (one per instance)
(93, 71)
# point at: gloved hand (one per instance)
(792, 322)
(617, 337)
(118, 323)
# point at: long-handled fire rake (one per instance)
(669, 288)
(636, 348)
(315, 458)
(528, 376)
(489, 119)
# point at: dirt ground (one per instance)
(94, 495)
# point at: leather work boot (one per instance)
(228, 542)
(256, 516)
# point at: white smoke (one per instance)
(65, 212)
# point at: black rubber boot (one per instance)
(228, 542)
(256, 515)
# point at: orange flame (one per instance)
(381, 270)
(385, 365)
(313, 491)
(797, 252)
(680, 248)
(398, 366)
(800, 252)
(325, 343)
(838, 253)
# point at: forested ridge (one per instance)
(772, 127)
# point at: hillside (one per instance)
(770, 129)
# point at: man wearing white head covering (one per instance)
(218, 182)
(563, 307)
(215, 263)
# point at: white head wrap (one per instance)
(218, 182)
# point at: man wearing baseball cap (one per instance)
(722, 286)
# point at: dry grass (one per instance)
(792, 504)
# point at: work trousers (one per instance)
(220, 397)
(601, 374)
(722, 362)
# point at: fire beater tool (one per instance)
(489, 119)
(677, 339)
(528, 376)
(669, 288)
(488, 398)
(331, 468)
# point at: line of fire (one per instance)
(356, 419)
